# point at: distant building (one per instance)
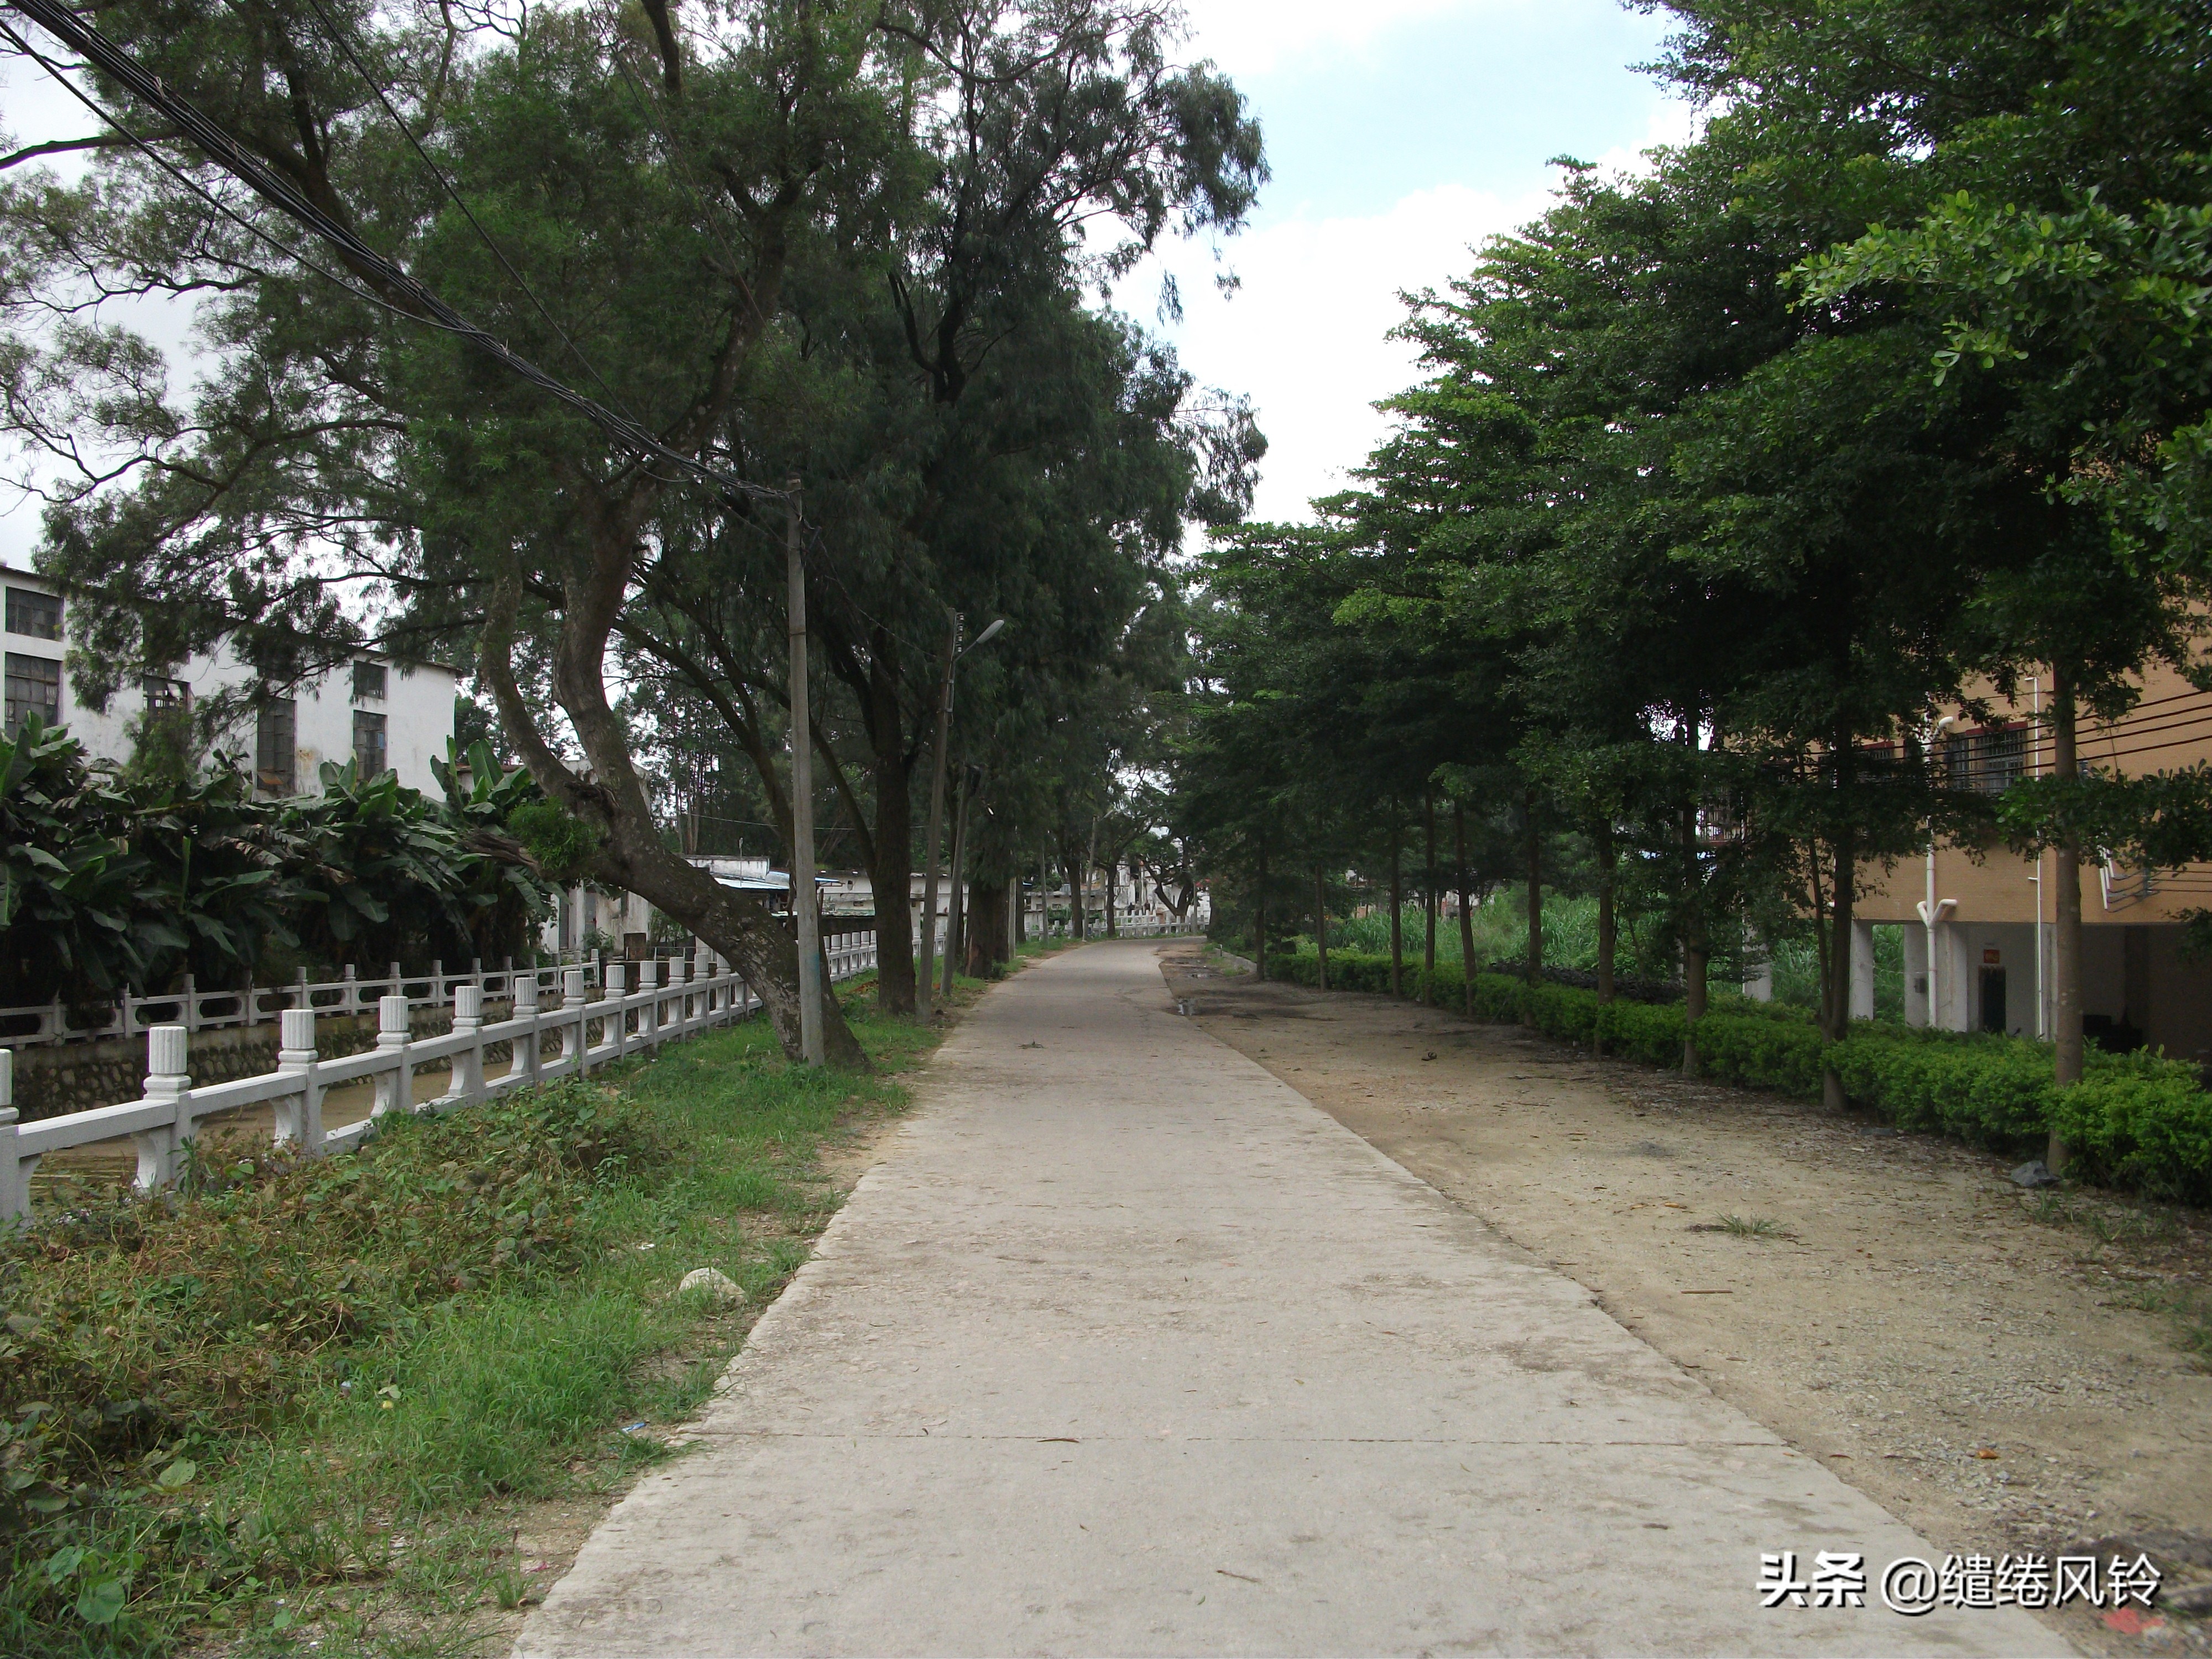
(1978, 922)
(386, 715)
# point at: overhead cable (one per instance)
(419, 302)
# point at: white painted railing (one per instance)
(198, 1010)
(593, 1031)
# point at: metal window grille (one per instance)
(39, 615)
(276, 747)
(369, 749)
(164, 695)
(370, 680)
(34, 686)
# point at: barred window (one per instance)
(34, 686)
(277, 748)
(369, 742)
(164, 695)
(1989, 762)
(369, 681)
(39, 615)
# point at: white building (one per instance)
(387, 715)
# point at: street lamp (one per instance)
(953, 655)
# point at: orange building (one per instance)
(1978, 928)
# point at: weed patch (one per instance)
(299, 1401)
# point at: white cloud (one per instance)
(1304, 337)
(1251, 36)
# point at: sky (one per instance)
(1401, 133)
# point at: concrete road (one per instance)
(1127, 1348)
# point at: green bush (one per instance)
(2137, 1121)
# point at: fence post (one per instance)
(352, 994)
(14, 1170)
(648, 1017)
(467, 1084)
(300, 1117)
(395, 1089)
(572, 1018)
(614, 985)
(524, 991)
(167, 1051)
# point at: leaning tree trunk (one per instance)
(2066, 930)
(632, 854)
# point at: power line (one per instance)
(422, 305)
(345, 46)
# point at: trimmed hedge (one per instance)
(2138, 1120)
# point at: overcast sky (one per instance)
(1401, 133)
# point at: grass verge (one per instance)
(313, 1405)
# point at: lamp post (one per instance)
(953, 655)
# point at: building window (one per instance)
(164, 695)
(34, 687)
(1990, 762)
(39, 615)
(277, 748)
(368, 745)
(369, 680)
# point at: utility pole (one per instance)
(802, 804)
(922, 989)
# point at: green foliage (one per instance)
(108, 879)
(238, 1392)
(2144, 1122)
(562, 842)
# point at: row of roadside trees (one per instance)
(850, 255)
(1726, 479)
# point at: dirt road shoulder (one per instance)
(1992, 1366)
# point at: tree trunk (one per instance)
(632, 854)
(2066, 917)
(890, 865)
(1535, 851)
(1113, 882)
(1397, 908)
(985, 926)
(1260, 918)
(1321, 926)
(1466, 911)
(1428, 907)
(1609, 938)
(956, 898)
(1695, 956)
(1836, 986)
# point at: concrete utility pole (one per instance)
(802, 804)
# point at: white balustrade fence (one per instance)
(592, 1030)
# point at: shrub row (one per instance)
(2139, 1121)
